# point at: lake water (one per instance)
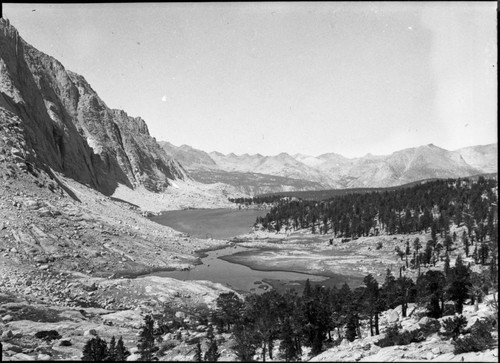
(211, 223)
(226, 224)
(236, 276)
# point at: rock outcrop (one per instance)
(63, 125)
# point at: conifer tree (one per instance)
(288, 348)
(430, 290)
(245, 341)
(95, 350)
(448, 242)
(372, 302)
(121, 352)
(112, 350)
(459, 285)
(447, 265)
(465, 240)
(146, 339)
(483, 253)
(475, 254)
(350, 332)
(307, 290)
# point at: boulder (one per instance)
(40, 259)
(429, 325)
(90, 332)
(392, 316)
(133, 357)
(180, 315)
(44, 212)
(31, 204)
(89, 285)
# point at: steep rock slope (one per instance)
(189, 157)
(67, 127)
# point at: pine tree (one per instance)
(147, 339)
(112, 350)
(475, 254)
(448, 242)
(245, 342)
(465, 240)
(229, 307)
(483, 253)
(430, 291)
(95, 350)
(447, 265)
(493, 270)
(350, 332)
(307, 290)
(372, 301)
(121, 352)
(460, 284)
(288, 349)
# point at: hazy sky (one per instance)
(345, 77)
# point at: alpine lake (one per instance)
(232, 266)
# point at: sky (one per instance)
(269, 77)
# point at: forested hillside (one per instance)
(432, 205)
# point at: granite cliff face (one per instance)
(62, 124)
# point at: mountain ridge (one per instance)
(332, 170)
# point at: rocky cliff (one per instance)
(61, 123)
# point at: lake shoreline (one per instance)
(218, 223)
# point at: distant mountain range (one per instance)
(258, 174)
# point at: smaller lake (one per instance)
(211, 223)
(226, 224)
(236, 276)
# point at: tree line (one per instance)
(433, 205)
(269, 199)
